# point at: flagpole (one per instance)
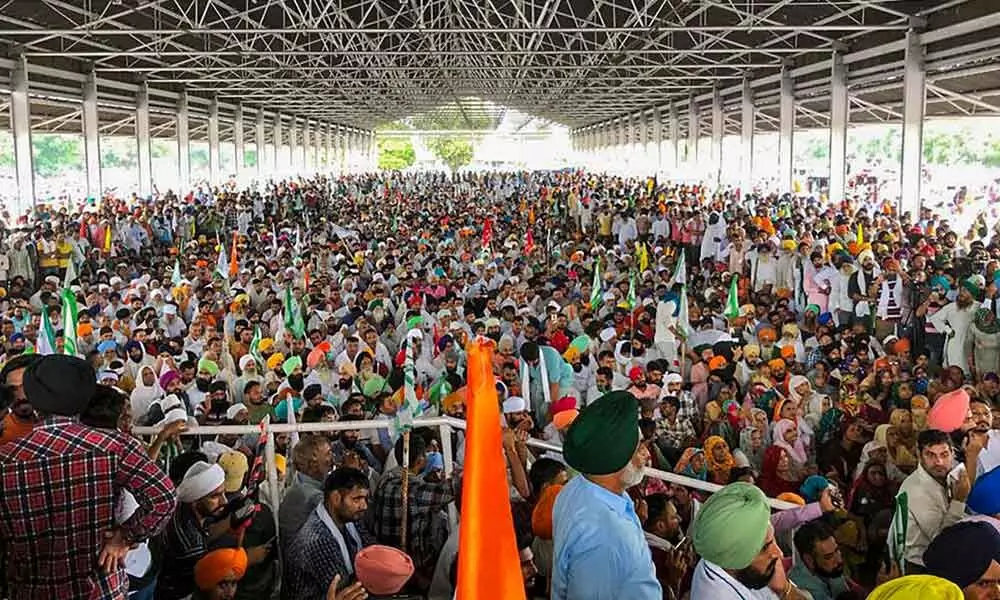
(405, 489)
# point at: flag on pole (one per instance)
(69, 322)
(860, 238)
(255, 347)
(298, 241)
(293, 315)
(630, 299)
(897, 530)
(595, 288)
(683, 320)
(642, 256)
(71, 273)
(410, 408)
(732, 300)
(488, 562)
(680, 272)
(107, 238)
(46, 337)
(487, 232)
(234, 262)
(222, 265)
(274, 240)
(529, 242)
(175, 279)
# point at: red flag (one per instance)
(487, 232)
(234, 263)
(489, 565)
(529, 243)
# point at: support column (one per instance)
(20, 126)
(372, 152)
(839, 117)
(717, 130)
(342, 134)
(238, 143)
(675, 135)
(329, 162)
(621, 141)
(214, 158)
(657, 140)
(747, 124)
(914, 97)
(91, 136)
(260, 137)
(307, 162)
(644, 143)
(786, 131)
(183, 145)
(293, 147)
(142, 137)
(694, 130)
(276, 135)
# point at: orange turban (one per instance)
(767, 334)
(902, 346)
(563, 419)
(788, 352)
(776, 363)
(792, 498)
(541, 517)
(84, 329)
(717, 362)
(219, 565)
(783, 293)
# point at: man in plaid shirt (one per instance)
(427, 523)
(61, 484)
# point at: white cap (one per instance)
(514, 404)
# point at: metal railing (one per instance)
(445, 427)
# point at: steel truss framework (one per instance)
(314, 73)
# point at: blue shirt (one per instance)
(600, 551)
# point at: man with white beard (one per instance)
(599, 549)
(953, 320)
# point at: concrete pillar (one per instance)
(329, 162)
(718, 124)
(183, 145)
(307, 161)
(839, 117)
(214, 157)
(238, 142)
(276, 134)
(747, 124)
(786, 131)
(20, 127)
(643, 153)
(657, 139)
(342, 135)
(620, 155)
(294, 164)
(259, 135)
(142, 138)
(91, 136)
(675, 135)
(694, 130)
(914, 97)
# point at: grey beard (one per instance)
(632, 475)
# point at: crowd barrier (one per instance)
(445, 426)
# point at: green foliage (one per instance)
(119, 152)
(161, 148)
(54, 153)
(199, 158)
(6, 149)
(453, 151)
(250, 157)
(395, 153)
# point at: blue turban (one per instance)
(812, 487)
(825, 319)
(985, 496)
(107, 346)
(940, 281)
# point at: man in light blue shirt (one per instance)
(600, 551)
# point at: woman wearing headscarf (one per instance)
(777, 474)
(717, 423)
(899, 456)
(872, 492)
(811, 404)
(752, 447)
(902, 420)
(786, 436)
(719, 458)
(147, 390)
(982, 344)
(692, 464)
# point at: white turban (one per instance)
(200, 480)
(514, 404)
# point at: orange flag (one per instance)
(234, 263)
(488, 562)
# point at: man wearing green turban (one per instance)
(739, 556)
(600, 550)
(954, 320)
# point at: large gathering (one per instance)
(700, 395)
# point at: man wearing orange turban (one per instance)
(217, 573)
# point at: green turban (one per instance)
(374, 386)
(292, 363)
(731, 526)
(603, 438)
(972, 287)
(209, 366)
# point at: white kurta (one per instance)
(954, 322)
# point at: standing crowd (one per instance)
(697, 358)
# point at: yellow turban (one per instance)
(275, 360)
(789, 245)
(917, 586)
(265, 344)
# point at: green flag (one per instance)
(46, 336)
(595, 288)
(255, 346)
(683, 320)
(630, 299)
(897, 530)
(71, 273)
(732, 301)
(69, 322)
(293, 315)
(175, 279)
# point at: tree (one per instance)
(250, 157)
(55, 153)
(6, 149)
(457, 150)
(395, 152)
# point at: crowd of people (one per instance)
(840, 358)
